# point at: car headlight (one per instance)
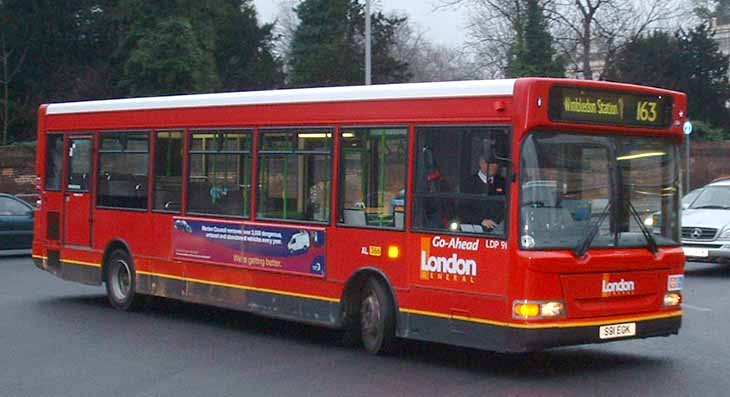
(725, 234)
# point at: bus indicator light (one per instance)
(526, 310)
(393, 251)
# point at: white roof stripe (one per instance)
(304, 95)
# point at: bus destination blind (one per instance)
(575, 105)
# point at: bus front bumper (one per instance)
(519, 338)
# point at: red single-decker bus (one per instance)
(508, 215)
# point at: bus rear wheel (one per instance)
(120, 281)
(377, 319)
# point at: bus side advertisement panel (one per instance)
(289, 249)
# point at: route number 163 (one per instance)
(646, 111)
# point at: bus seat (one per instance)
(355, 217)
(399, 218)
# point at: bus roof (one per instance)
(456, 89)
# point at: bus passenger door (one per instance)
(77, 200)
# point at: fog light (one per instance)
(537, 310)
(672, 299)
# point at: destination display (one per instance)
(576, 105)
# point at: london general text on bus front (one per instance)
(509, 215)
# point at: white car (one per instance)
(706, 224)
(299, 242)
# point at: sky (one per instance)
(441, 26)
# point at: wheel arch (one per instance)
(111, 247)
(351, 295)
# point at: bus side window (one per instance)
(168, 171)
(220, 172)
(295, 174)
(123, 170)
(54, 162)
(373, 177)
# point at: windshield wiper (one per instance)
(581, 249)
(651, 241)
(710, 207)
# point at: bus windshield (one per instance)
(580, 191)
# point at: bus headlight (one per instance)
(522, 309)
(672, 299)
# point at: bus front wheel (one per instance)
(120, 281)
(377, 319)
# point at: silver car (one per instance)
(706, 224)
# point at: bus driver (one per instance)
(486, 181)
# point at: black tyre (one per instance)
(120, 281)
(377, 319)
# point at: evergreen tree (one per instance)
(244, 50)
(387, 68)
(328, 45)
(532, 53)
(231, 51)
(703, 76)
(648, 60)
(52, 53)
(93, 49)
(169, 59)
(688, 61)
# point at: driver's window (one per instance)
(461, 179)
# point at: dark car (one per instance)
(16, 225)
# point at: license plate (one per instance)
(695, 252)
(617, 330)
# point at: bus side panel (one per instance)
(457, 267)
(286, 296)
(351, 249)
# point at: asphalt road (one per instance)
(63, 339)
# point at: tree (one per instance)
(596, 28)
(387, 68)
(648, 60)
(11, 61)
(688, 61)
(532, 53)
(244, 51)
(704, 76)
(707, 10)
(323, 49)
(168, 59)
(50, 49)
(58, 51)
(585, 31)
(429, 62)
(327, 48)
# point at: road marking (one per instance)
(702, 309)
